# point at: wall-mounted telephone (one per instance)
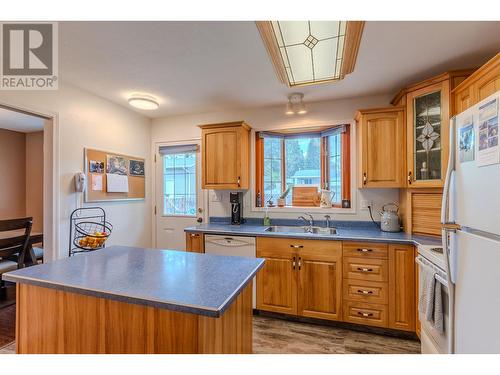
(80, 182)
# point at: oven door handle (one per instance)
(437, 276)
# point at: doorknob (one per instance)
(199, 220)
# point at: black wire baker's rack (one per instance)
(89, 230)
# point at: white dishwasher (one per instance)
(234, 246)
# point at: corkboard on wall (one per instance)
(136, 183)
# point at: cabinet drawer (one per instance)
(365, 291)
(365, 269)
(365, 313)
(287, 246)
(365, 249)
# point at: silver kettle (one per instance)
(389, 219)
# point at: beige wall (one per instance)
(86, 120)
(179, 128)
(12, 174)
(34, 179)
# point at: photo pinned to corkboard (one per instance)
(113, 176)
(136, 167)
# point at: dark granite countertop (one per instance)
(343, 234)
(201, 284)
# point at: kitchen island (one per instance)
(135, 300)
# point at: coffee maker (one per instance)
(236, 200)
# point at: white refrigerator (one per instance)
(471, 201)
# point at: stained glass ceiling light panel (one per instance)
(309, 52)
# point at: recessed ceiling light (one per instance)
(311, 52)
(146, 102)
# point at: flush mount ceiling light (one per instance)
(310, 52)
(295, 104)
(146, 102)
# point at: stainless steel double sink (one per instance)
(303, 230)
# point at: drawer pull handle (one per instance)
(362, 269)
(365, 250)
(194, 235)
(365, 314)
(297, 246)
(361, 291)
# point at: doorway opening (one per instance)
(29, 187)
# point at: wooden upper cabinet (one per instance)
(428, 108)
(381, 144)
(225, 155)
(478, 86)
(428, 120)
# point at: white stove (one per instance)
(433, 254)
(432, 341)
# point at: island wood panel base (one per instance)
(57, 322)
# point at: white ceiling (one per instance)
(195, 67)
(19, 122)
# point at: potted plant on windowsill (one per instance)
(282, 198)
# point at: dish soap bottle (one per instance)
(267, 219)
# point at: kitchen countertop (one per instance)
(201, 284)
(343, 234)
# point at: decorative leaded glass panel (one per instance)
(427, 131)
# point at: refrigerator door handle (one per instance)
(449, 175)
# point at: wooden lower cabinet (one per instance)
(300, 277)
(402, 287)
(332, 280)
(277, 285)
(320, 282)
(365, 313)
(195, 242)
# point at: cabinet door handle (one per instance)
(365, 314)
(362, 269)
(239, 181)
(363, 250)
(300, 263)
(364, 178)
(297, 246)
(409, 177)
(293, 262)
(361, 291)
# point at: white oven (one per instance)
(433, 341)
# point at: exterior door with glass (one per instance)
(180, 201)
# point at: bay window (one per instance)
(300, 158)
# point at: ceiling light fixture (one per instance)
(295, 104)
(289, 108)
(145, 102)
(311, 52)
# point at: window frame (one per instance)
(163, 160)
(345, 168)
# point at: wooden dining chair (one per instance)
(13, 246)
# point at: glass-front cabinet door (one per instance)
(428, 135)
